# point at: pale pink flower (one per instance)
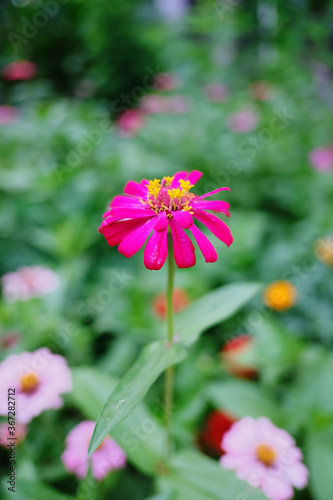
(217, 92)
(108, 456)
(166, 81)
(130, 121)
(38, 379)
(153, 104)
(322, 158)
(19, 70)
(28, 282)
(243, 121)
(7, 114)
(7, 433)
(264, 456)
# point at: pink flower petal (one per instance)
(125, 201)
(194, 176)
(116, 231)
(277, 489)
(134, 241)
(135, 189)
(207, 249)
(184, 219)
(216, 205)
(156, 250)
(182, 246)
(162, 222)
(215, 225)
(214, 192)
(298, 474)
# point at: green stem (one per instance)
(169, 371)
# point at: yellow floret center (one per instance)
(154, 187)
(29, 383)
(266, 454)
(168, 180)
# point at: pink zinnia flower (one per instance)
(7, 433)
(322, 159)
(166, 81)
(7, 114)
(130, 121)
(28, 282)
(108, 456)
(156, 208)
(264, 456)
(38, 379)
(19, 70)
(153, 104)
(217, 92)
(243, 121)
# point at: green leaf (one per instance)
(132, 388)
(32, 490)
(242, 398)
(319, 451)
(198, 477)
(213, 308)
(140, 435)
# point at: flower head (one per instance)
(19, 70)
(108, 456)
(324, 250)
(130, 121)
(28, 282)
(231, 355)
(243, 121)
(216, 425)
(264, 456)
(322, 159)
(217, 92)
(38, 379)
(154, 208)
(280, 295)
(179, 302)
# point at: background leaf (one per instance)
(213, 308)
(319, 451)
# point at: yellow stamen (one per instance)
(29, 383)
(154, 187)
(188, 208)
(168, 180)
(176, 194)
(185, 185)
(266, 454)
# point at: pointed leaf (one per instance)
(212, 308)
(132, 388)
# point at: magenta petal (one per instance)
(183, 218)
(156, 250)
(182, 246)
(216, 206)
(124, 201)
(194, 176)
(135, 189)
(215, 225)
(207, 249)
(162, 222)
(134, 241)
(177, 177)
(131, 213)
(118, 230)
(214, 192)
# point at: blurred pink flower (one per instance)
(152, 104)
(7, 114)
(19, 70)
(130, 121)
(9, 339)
(166, 81)
(264, 456)
(108, 456)
(38, 379)
(322, 158)
(28, 282)
(7, 433)
(243, 121)
(217, 92)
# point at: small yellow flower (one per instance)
(324, 250)
(168, 180)
(176, 194)
(280, 295)
(185, 185)
(154, 187)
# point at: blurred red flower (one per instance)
(216, 425)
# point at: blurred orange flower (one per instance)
(280, 295)
(180, 300)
